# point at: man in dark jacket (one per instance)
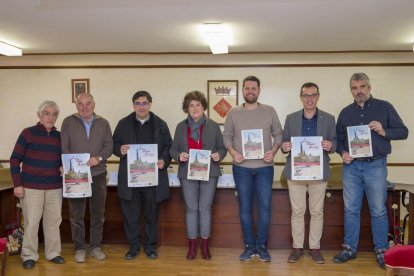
(142, 127)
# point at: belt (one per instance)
(368, 159)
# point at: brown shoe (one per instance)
(296, 254)
(316, 256)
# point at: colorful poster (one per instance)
(199, 164)
(307, 158)
(142, 165)
(252, 144)
(77, 177)
(359, 141)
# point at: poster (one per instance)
(252, 144)
(142, 165)
(199, 164)
(77, 176)
(359, 141)
(307, 158)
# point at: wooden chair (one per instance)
(399, 260)
(4, 253)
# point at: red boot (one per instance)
(205, 252)
(192, 249)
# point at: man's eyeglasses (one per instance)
(308, 96)
(143, 104)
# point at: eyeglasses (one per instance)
(143, 104)
(308, 96)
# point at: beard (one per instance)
(361, 98)
(250, 98)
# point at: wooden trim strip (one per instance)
(398, 64)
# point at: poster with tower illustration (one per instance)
(252, 144)
(307, 158)
(142, 165)
(77, 177)
(199, 164)
(359, 141)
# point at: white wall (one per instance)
(22, 90)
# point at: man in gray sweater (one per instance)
(253, 173)
(86, 132)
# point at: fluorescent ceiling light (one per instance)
(9, 50)
(217, 37)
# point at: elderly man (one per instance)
(34, 165)
(87, 132)
(253, 177)
(309, 121)
(366, 175)
(142, 127)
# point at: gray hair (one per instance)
(85, 94)
(45, 104)
(360, 77)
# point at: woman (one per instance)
(198, 132)
(35, 167)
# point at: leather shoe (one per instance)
(151, 254)
(29, 264)
(57, 260)
(131, 254)
(295, 256)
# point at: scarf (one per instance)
(195, 127)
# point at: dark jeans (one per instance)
(77, 208)
(254, 185)
(131, 211)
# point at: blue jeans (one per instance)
(369, 177)
(254, 184)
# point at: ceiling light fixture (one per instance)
(217, 37)
(9, 50)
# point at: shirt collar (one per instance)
(85, 122)
(314, 115)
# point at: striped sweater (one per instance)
(35, 160)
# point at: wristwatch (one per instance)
(100, 158)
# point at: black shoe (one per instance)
(131, 254)
(28, 264)
(151, 254)
(57, 260)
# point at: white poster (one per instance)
(77, 177)
(142, 165)
(307, 158)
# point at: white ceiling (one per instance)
(79, 26)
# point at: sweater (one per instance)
(35, 160)
(263, 117)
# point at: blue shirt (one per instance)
(309, 126)
(373, 110)
(88, 126)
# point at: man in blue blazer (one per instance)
(309, 121)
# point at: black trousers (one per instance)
(131, 210)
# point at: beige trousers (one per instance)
(297, 195)
(37, 204)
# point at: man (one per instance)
(253, 177)
(310, 121)
(142, 127)
(366, 175)
(86, 132)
